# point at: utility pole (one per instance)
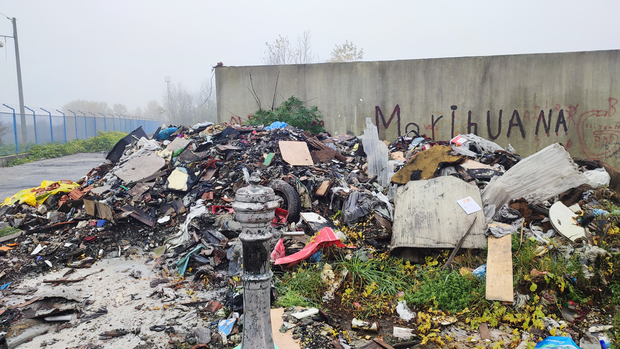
(167, 79)
(22, 111)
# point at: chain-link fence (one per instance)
(47, 128)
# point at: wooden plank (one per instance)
(323, 188)
(295, 153)
(458, 245)
(499, 269)
(427, 215)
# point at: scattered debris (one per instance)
(156, 221)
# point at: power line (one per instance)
(7, 17)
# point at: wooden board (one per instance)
(295, 153)
(499, 269)
(427, 215)
(323, 188)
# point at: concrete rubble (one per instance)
(144, 251)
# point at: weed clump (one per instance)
(302, 288)
(293, 112)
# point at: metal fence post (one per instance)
(94, 122)
(113, 123)
(85, 129)
(34, 119)
(51, 125)
(14, 128)
(75, 118)
(105, 129)
(64, 122)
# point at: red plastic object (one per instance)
(89, 238)
(281, 215)
(325, 237)
(278, 251)
(219, 208)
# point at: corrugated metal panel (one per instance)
(426, 214)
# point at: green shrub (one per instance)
(293, 112)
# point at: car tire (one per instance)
(290, 198)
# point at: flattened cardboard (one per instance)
(295, 153)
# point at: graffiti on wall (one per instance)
(597, 136)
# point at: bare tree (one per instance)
(188, 107)
(87, 106)
(303, 52)
(278, 52)
(121, 109)
(346, 52)
(4, 129)
(154, 111)
(282, 51)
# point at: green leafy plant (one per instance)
(293, 112)
(445, 290)
(8, 231)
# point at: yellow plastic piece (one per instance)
(36, 196)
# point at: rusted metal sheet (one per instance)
(427, 215)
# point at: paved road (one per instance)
(73, 167)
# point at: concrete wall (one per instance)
(529, 101)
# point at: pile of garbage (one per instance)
(167, 198)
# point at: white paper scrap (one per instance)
(469, 205)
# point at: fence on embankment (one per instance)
(46, 128)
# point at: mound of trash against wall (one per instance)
(411, 244)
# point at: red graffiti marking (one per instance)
(557, 107)
(569, 144)
(526, 115)
(236, 120)
(608, 139)
(572, 111)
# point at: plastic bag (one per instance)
(598, 177)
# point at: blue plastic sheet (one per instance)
(557, 343)
(165, 133)
(276, 125)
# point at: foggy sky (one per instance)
(119, 51)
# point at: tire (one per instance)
(290, 199)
